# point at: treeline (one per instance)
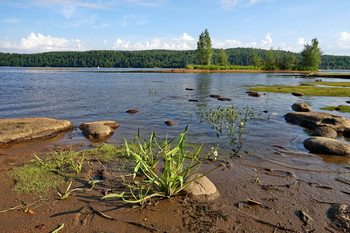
(158, 58)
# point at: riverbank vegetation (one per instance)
(157, 58)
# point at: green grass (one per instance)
(218, 67)
(340, 108)
(335, 84)
(43, 174)
(306, 90)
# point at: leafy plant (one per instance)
(228, 121)
(166, 181)
(68, 191)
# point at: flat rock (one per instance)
(97, 131)
(322, 145)
(301, 107)
(324, 131)
(15, 130)
(112, 124)
(313, 120)
(201, 188)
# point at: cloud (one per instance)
(301, 41)
(182, 42)
(268, 40)
(228, 4)
(341, 40)
(146, 2)
(11, 20)
(40, 43)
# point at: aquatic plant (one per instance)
(165, 180)
(228, 121)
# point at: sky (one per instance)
(34, 26)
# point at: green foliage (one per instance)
(222, 58)
(204, 50)
(339, 108)
(165, 180)
(270, 62)
(311, 56)
(228, 121)
(306, 90)
(217, 67)
(335, 84)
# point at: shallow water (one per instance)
(89, 94)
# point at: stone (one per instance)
(340, 216)
(193, 100)
(214, 96)
(169, 123)
(97, 131)
(297, 94)
(201, 188)
(301, 107)
(189, 89)
(132, 111)
(112, 124)
(346, 132)
(313, 120)
(322, 145)
(224, 99)
(254, 93)
(22, 129)
(324, 131)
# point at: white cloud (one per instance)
(301, 41)
(183, 42)
(341, 41)
(11, 20)
(228, 4)
(268, 40)
(40, 43)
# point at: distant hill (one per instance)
(147, 58)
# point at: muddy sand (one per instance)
(257, 195)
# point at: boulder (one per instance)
(112, 124)
(301, 107)
(97, 131)
(297, 94)
(313, 120)
(324, 131)
(169, 123)
(132, 111)
(321, 145)
(14, 130)
(254, 93)
(201, 187)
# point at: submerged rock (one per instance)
(254, 93)
(313, 120)
(112, 124)
(301, 107)
(201, 188)
(15, 130)
(97, 131)
(132, 111)
(324, 131)
(297, 94)
(169, 123)
(322, 145)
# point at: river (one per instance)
(82, 95)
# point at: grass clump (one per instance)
(339, 108)
(219, 67)
(306, 90)
(334, 84)
(164, 167)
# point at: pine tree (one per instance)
(311, 56)
(204, 50)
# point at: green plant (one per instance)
(170, 179)
(228, 121)
(68, 191)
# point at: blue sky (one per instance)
(31, 26)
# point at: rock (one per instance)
(348, 101)
(224, 99)
(15, 130)
(201, 188)
(340, 216)
(324, 131)
(254, 93)
(112, 124)
(97, 131)
(313, 120)
(189, 89)
(346, 132)
(301, 107)
(193, 100)
(297, 94)
(169, 123)
(132, 111)
(214, 96)
(318, 80)
(321, 145)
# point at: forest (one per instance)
(153, 58)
